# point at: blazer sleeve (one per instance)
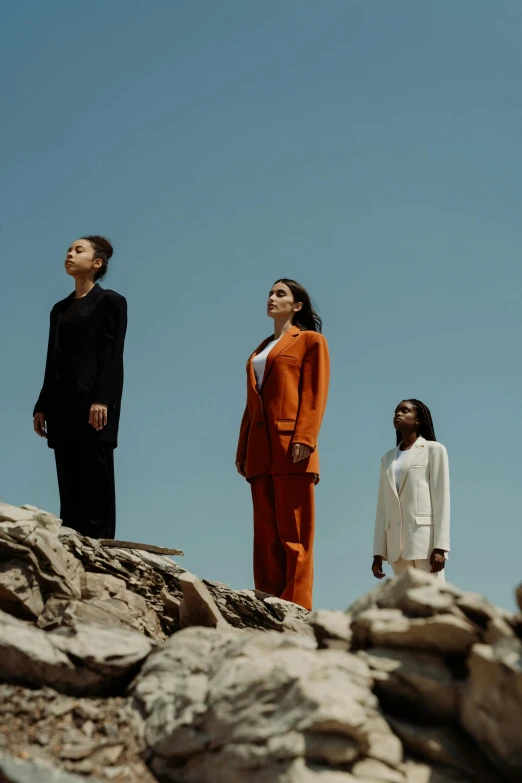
(42, 404)
(109, 376)
(315, 377)
(440, 497)
(243, 437)
(379, 537)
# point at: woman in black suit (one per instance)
(78, 409)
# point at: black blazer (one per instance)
(86, 368)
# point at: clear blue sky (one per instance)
(372, 150)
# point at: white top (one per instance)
(259, 362)
(401, 456)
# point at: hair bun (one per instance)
(102, 249)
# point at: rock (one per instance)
(157, 579)
(171, 604)
(254, 688)
(18, 771)
(56, 571)
(417, 772)
(198, 607)
(207, 692)
(383, 745)
(37, 729)
(417, 594)
(445, 746)
(27, 514)
(331, 629)
(237, 764)
(87, 660)
(492, 704)
(369, 769)
(126, 610)
(20, 593)
(477, 608)
(443, 633)
(498, 629)
(413, 683)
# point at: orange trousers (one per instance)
(284, 535)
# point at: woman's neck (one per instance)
(281, 327)
(83, 287)
(408, 439)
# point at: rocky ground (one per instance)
(118, 665)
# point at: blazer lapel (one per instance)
(250, 366)
(391, 469)
(283, 343)
(409, 460)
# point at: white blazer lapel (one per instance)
(409, 460)
(392, 456)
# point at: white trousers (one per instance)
(400, 566)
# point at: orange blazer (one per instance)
(289, 406)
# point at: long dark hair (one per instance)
(426, 422)
(306, 319)
(102, 249)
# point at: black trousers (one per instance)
(86, 483)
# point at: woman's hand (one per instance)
(240, 466)
(437, 560)
(300, 452)
(377, 567)
(39, 424)
(98, 416)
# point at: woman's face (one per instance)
(80, 260)
(405, 417)
(281, 302)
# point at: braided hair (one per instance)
(426, 422)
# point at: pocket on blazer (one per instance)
(283, 359)
(286, 425)
(424, 519)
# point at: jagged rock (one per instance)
(198, 607)
(250, 698)
(443, 745)
(492, 703)
(85, 660)
(477, 608)
(498, 629)
(207, 692)
(416, 593)
(20, 771)
(413, 682)
(20, 593)
(39, 547)
(332, 629)
(105, 601)
(27, 514)
(443, 633)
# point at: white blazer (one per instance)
(414, 521)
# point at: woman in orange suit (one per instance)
(287, 386)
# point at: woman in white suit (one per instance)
(413, 510)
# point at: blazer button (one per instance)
(260, 423)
